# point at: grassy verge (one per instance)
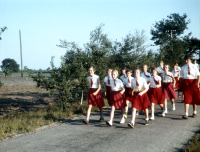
(194, 144)
(27, 122)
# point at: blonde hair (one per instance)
(154, 69)
(167, 65)
(161, 62)
(109, 70)
(115, 71)
(145, 65)
(138, 70)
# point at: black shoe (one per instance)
(101, 119)
(146, 122)
(131, 125)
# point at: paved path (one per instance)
(167, 133)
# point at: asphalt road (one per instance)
(169, 133)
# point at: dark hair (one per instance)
(188, 57)
(128, 71)
(123, 68)
(175, 63)
(92, 68)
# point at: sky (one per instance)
(43, 23)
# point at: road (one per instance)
(169, 133)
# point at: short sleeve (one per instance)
(196, 71)
(145, 84)
(104, 80)
(182, 73)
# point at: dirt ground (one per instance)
(20, 94)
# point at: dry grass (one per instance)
(27, 122)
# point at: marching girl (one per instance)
(176, 75)
(128, 92)
(178, 67)
(117, 98)
(190, 82)
(140, 99)
(107, 85)
(156, 94)
(95, 97)
(124, 76)
(195, 63)
(161, 68)
(168, 88)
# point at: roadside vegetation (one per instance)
(194, 144)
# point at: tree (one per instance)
(10, 64)
(2, 30)
(174, 22)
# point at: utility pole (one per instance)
(167, 31)
(21, 53)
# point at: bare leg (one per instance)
(152, 108)
(88, 111)
(146, 113)
(165, 103)
(112, 113)
(194, 107)
(122, 112)
(133, 115)
(186, 108)
(101, 111)
(172, 100)
(126, 108)
(161, 106)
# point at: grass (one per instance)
(27, 122)
(194, 144)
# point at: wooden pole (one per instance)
(21, 53)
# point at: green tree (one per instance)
(2, 30)
(10, 64)
(173, 22)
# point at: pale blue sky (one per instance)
(44, 22)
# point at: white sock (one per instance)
(146, 118)
(152, 115)
(195, 112)
(123, 118)
(165, 109)
(133, 122)
(87, 119)
(186, 113)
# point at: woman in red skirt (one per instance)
(140, 99)
(128, 92)
(168, 88)
(107, 87)
(95, 97)
(117, 97)
(189, 82)
(156, 94)
(176, 75)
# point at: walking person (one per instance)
(190, 83)
(107, 85)
(156, 94)
(95, 97)
(117, 98)
(168, 88)
(140, 99)
(176, 75)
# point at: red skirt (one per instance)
(177, 83)
(118, 100)
(108, 94)
(190, 91)
(140, 102)
(128, 94)
(156, 95)
(169, 91)
(97, 100)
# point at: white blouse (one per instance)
(166, 78)
(118, 86)
(126, 83)
(151, 80)
(160, 69)
(175, 74)
(123, 77)
(106, 80)
(95, 82)
(143, 76)
(142, 84)
(194, 72)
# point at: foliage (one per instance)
(2, 30)
(7, 72)
(1, 84)
(173, 22)
(10, 64)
